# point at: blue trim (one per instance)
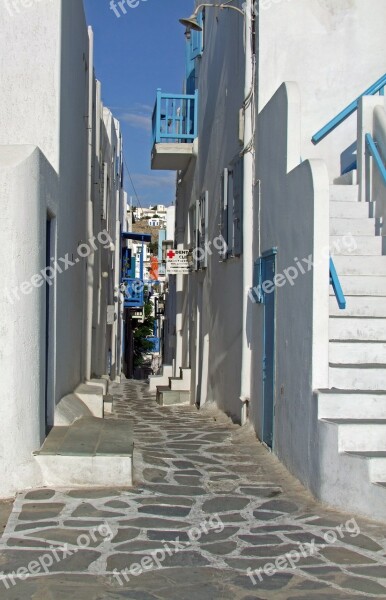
(378, 86)
(350, 168)
(270, 252)
(138, 237)
(371, 146)
(334, 280)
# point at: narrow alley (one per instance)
(209, 503)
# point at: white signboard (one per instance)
(179, 262)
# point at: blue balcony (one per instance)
(156, 344)
(134, 293)
(175, 129)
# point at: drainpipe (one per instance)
(89, 215)
(246, 354)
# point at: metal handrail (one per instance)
(334, 280)
(371, 146)
(378, 86)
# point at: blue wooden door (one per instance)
(268, 269)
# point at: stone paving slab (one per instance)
(209, 503)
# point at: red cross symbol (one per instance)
(171, 254)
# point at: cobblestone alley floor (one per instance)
(209, 504)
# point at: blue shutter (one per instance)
(238, 189)
(197, 39)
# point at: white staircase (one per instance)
(178, 390)
(352, 412)
(162, 379)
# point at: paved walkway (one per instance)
(213, 516)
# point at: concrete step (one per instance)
(376, 464)
(162, 379)
(346, 404)
(358, 435)
(355, 210)
(359, 285)
(185, 373)
(91, 452)
(357, 377)
(361, 265)
(91, 395)
(359, 306)
(357, 329)
(344, 193)
(168, 397)
(179, 385)
(356, 353)
(352, 226)
(107, 404)
(360, 245)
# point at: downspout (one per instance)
(90, 214)
(248, 153)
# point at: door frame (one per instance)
(269, 439)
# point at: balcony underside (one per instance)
(171, 157)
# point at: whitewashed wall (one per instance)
(334, 50)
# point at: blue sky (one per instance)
(134, 55)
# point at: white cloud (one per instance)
(149, 180)
(138, 121)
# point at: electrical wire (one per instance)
(131, 181)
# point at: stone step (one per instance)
(347, 404)
(179, 385)
(359, 285)
(162, 379)
(344, 193)
(357, 377)
(355, 210)
(356, 353)
(360, 245)
(361, 265)
(358, 435)
(376, 464)
(168, 397)
(356, 227)
(357, 329)
(359, 306)
(91, 452)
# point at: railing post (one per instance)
(158, 117)
(195, 128)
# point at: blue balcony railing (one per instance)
(134, 294)
(372, 150)
(175, 118)
(334, 281)
(156, 344)
(377, 87)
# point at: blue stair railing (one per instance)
(372, 149)
(334, 280)
(175, 118)
(378, 86)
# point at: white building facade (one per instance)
(285, 356)
(62, 207)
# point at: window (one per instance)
(231, 217)
(200, 253)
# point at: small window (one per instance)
(201, 232)
(232, 208)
